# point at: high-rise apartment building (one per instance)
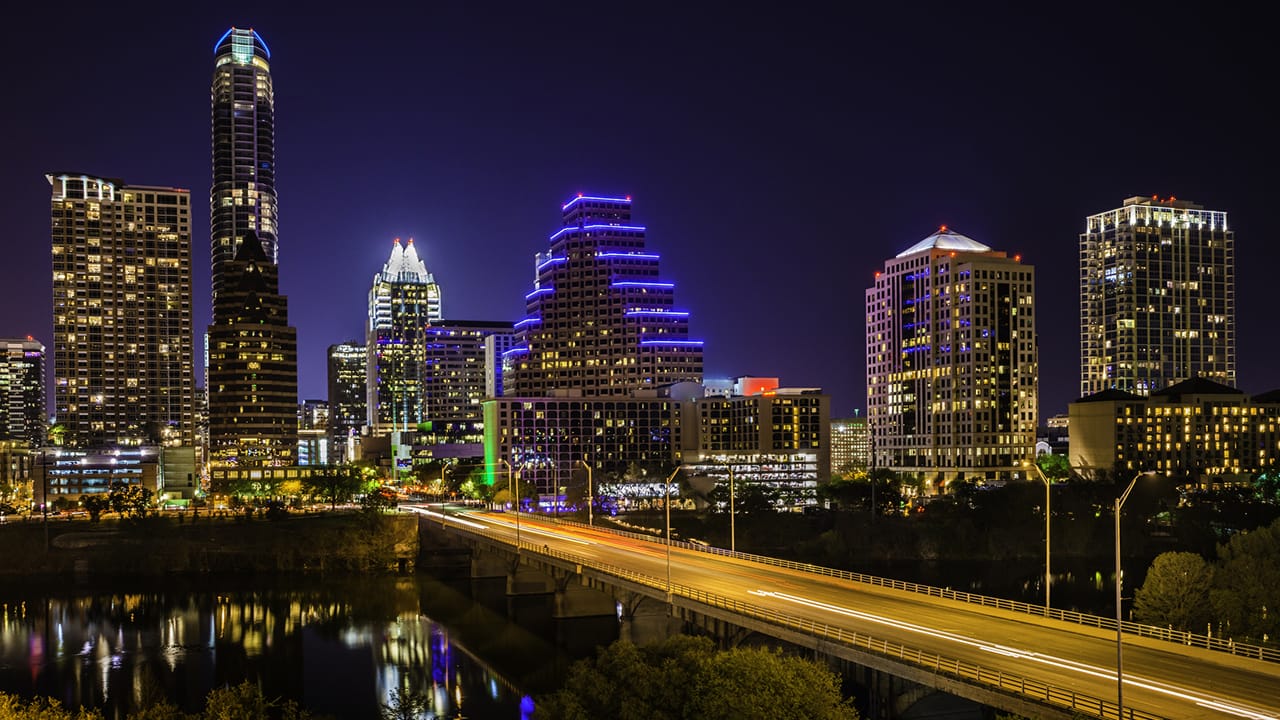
(253, 366)
(951, 361)
(1157, 297)
(348, 382)
(403, 301)
(599, 321)
(243, 196)
(22, 394)
(122, 332)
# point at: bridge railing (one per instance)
(1004, 681)
(1188, 639)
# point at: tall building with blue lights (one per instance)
(952, 384)
(403, 301)
(243, 196)
(600, 321)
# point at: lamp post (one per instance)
(512, 484)
(1119, 635)
(667, 504)
(733, 533)
(590, 499)
(1048, 577)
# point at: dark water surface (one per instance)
(338, 646)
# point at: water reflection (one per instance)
(342, 649)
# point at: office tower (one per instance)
(348, 383)
(850, 444)
(243, 196)
(404, 299)
(599, 320)
(22, 398)
(313, 432)
(122, 333)
(253, 366)
(1157, 297)
(951, 361)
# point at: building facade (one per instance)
(122, 327)
(546, 438)
(1196, 429)
(348, 380)
(777, 438)
(952, 361)
(243, 196)
(850, 444)
(403, 301)
(455, 384)
(253, 366)
(22, 391)
(599, 321)
(1157, 297)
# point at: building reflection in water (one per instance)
(344, 650)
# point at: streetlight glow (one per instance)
(1048, 577)
(667, 504)
(590, 499)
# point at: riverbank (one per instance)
(157, 546)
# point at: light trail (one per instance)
(525, 527)
(1017, 653)
(442, 516)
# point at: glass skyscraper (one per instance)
(1157, 297)
(243, 196)
(403, 301)
(22, 413)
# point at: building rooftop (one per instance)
(1110, 395)
(946, 239)
(1195, 386)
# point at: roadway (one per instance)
(1161, 678)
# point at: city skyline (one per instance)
(779, 158)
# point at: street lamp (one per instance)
(515, 500)
(1119, 635)
(590, 499)
(1048, 577)
(667, 504)
(733, 533)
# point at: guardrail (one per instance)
(1006, 682)
(1150, 631)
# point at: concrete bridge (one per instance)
(905, 644)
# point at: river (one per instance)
(337, 646)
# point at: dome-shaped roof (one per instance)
(946, 239)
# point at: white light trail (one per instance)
(1050, 660)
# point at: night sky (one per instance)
(778, 157)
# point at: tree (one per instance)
(246, 702)
(334, 485)
(13, 707)
(1246, 593)
(1054, 467)
(405, 706)
(1176, 593)
(378, 500)
(96, 505)
(130, 500)
(684, 676)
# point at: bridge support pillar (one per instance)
(575, 599)
(645, 620)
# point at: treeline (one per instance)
(1237, 595)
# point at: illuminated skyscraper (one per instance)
(253, 366)
(122, 333)
(348, 383)
(599, 320)
(951, 361)
(243, 196)
(1157, 297)
(404, 299)
(22, 414)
